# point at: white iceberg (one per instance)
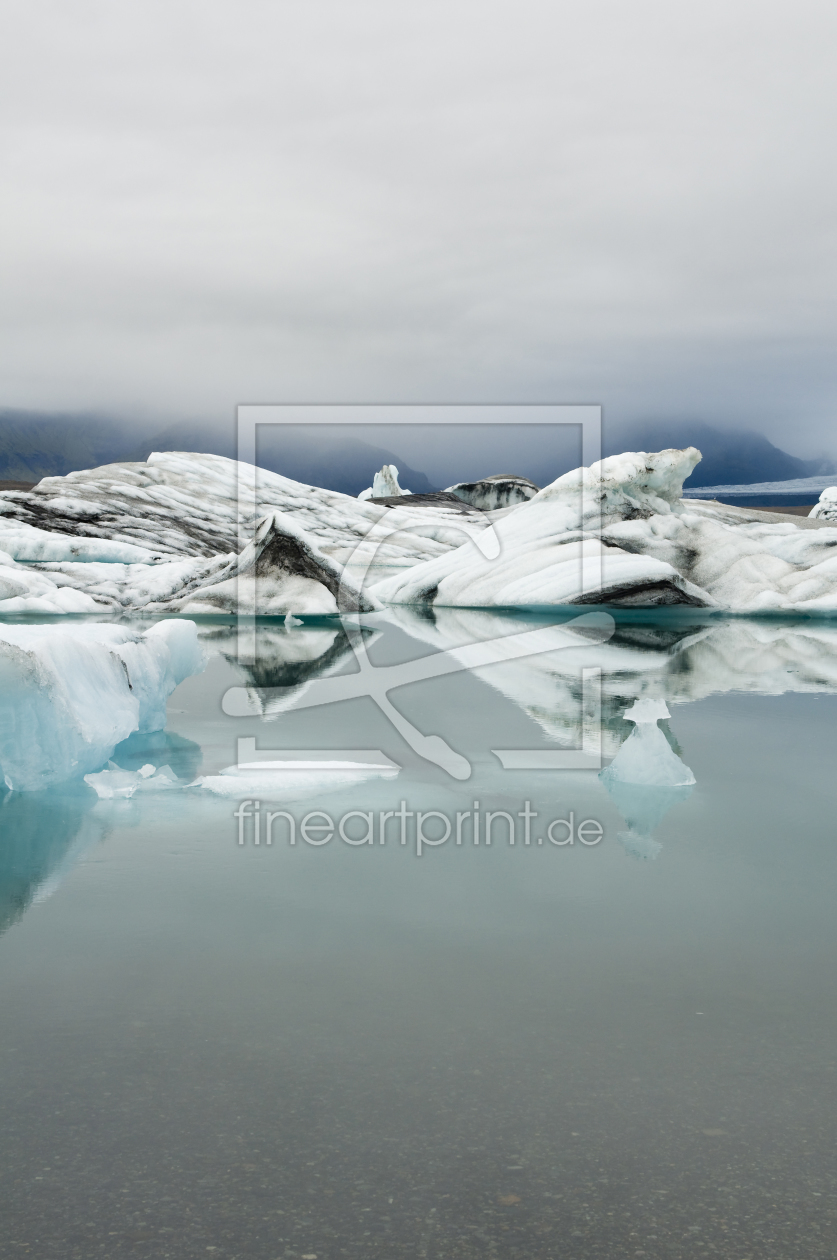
(281, 572)
(619, 532)
(149, 537)
(70, 693)
(384, 485)
(826, 508)
(199, 533)
(646, 757)
(25, 590)
(27, 543)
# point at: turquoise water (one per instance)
(623, 1048)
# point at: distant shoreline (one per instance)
(795, 509)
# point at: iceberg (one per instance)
(646, 778)
(281, 572)
(646, 757)
(826, 508)
(199, 534)
(384, 485)
(70, 694)
(24, 590)
(620, 533)
(27, 543)
(497, 491)
(152, 537)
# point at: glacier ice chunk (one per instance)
(826, 508)
(115, 784)
(646, 757)
(70, 694)
(384, 485)
(501, 490)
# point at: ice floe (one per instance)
(70, 693)
(300, 776)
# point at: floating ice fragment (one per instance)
(646, 778)
(291, 779)
(116, 784)
(646, 757)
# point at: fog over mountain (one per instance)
(627, 205)
(35, 445)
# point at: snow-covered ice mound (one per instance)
(70, 693)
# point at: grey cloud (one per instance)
(628, 204)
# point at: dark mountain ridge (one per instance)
(39, 444)
(730, 457)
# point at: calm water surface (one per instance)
(618, 1050)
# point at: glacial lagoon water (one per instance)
(615, 1049)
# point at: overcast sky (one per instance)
(632, 204)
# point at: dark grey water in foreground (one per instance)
(217, 1051)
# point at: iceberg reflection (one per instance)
(42, 836)
(677, 658)
(279, 661)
